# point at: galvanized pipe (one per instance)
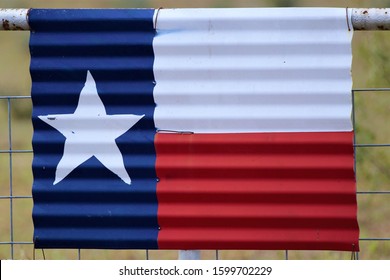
(370, 19)
(358, 18)
(14, 19)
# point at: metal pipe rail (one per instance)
(14, 19)
(358, 18)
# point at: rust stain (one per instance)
(6, 24)
(383, 27)
(10, 26)
(16, 27)
(9, 23)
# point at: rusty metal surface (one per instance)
(370, 19)
(14, 19)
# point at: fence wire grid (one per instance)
(16, 227)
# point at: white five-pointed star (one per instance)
(89, 132)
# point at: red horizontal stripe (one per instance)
(240, 184)
(260, 239)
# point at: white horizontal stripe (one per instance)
(252, 70)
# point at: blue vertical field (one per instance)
(92, 207)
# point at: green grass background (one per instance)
(370, 69)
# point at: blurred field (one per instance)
(370, 69)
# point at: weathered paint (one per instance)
(370, 19)
(14, 19)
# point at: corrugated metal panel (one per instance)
(264, 191)
(253, 70)
(251, 107)
(92, 207)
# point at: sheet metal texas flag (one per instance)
(193, 129)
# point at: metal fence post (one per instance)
(189, 255)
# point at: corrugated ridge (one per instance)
(272, 239)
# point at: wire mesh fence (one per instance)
(16, 227)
